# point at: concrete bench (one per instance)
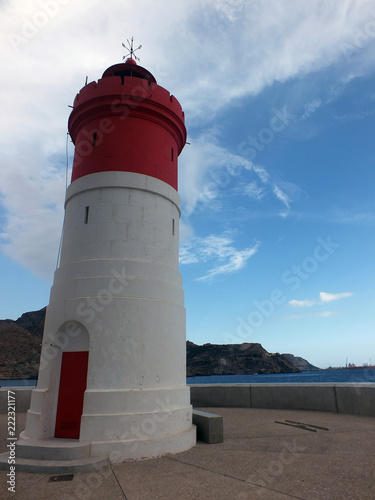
(209, 427)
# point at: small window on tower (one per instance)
(172, 154)
(87, 209)
(172, 227)
(94, 139)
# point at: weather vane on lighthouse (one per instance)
(131, 49)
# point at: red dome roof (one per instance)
(129, 68)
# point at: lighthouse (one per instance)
(112, 377)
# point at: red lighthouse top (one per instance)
(127, 122)
(129, 68)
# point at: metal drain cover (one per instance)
(65, 477)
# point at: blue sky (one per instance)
(277, 184)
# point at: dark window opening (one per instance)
(172, 153)
(173, 227)
(130, 72)
(94, 138)
(87, 209)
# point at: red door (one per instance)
(73, 379)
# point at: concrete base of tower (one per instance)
(146, 448)
(137, 424)
(111, 437)
(67, 456)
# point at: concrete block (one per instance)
(232, 396)
(358, 399)
(209, 427)
(294, 397)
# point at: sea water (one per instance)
(18, 383)
(357, 375)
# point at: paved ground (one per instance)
(259, 459)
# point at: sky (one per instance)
(276, 183)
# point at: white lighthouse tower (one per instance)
(112, 376)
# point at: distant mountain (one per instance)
(234, 359)
(19, 351)
(300, 363)
(20, 345)
(33, 322)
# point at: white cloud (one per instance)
(208, 170)
(216, 249)
(352, 217)
(283, 197)
(253, 190)
(324, 314)
(34, 207)
(277, 40)
(261, 172)
(323, 298)
(302, 303)
(237, 260)
(311, 107)
(328, 297)
(185, 232)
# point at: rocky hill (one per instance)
(33, 322)
(19, 351)
(300, 363)
(20, 344)
(234, 359)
